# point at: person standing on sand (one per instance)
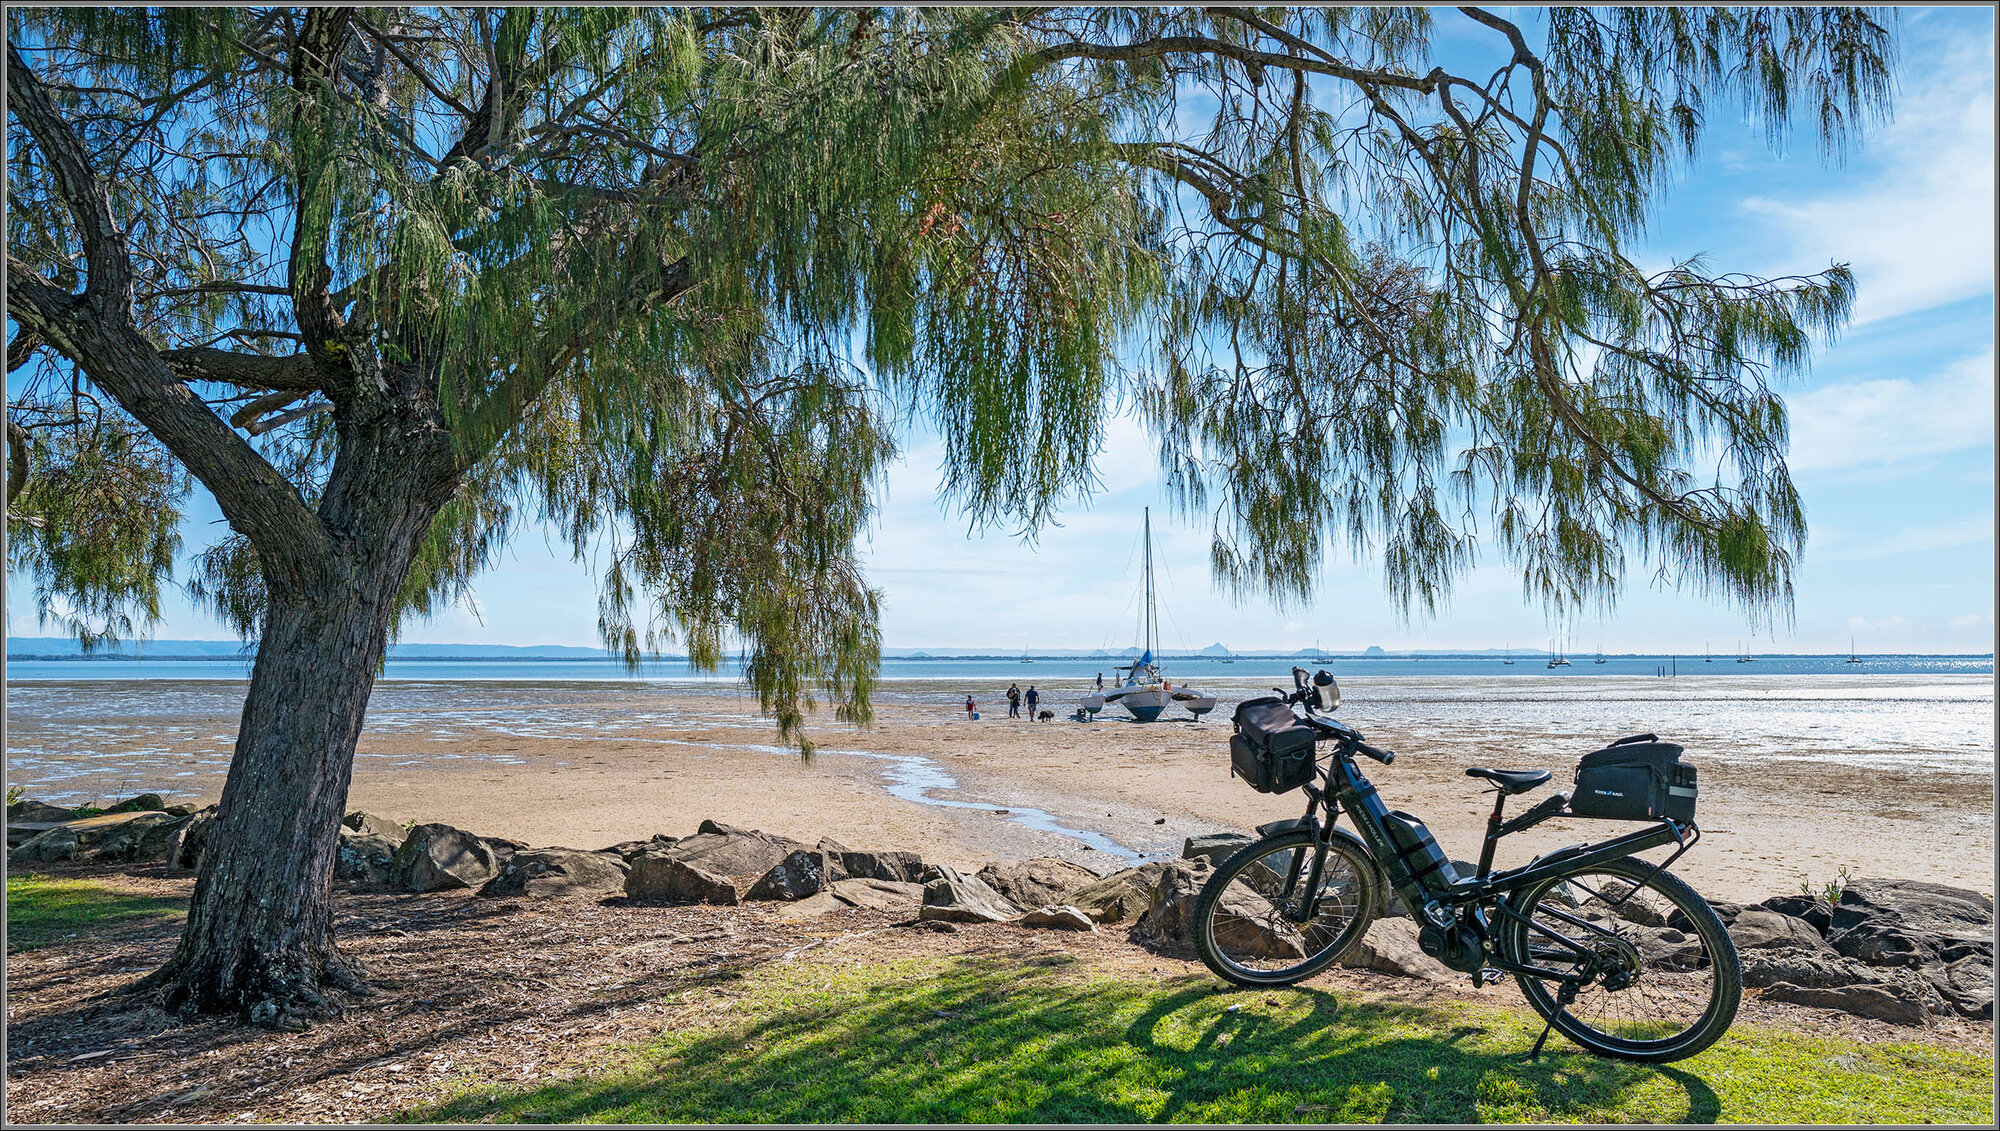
(1034, 701)
(1100, 681)
(1013, 700)
(970, 709)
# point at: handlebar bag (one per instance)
(1634, 781)
(1272, 748)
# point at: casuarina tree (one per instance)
(390, 283)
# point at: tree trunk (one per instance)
(259, 935)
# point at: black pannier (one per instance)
(1271, 749)
(1419, 851)
(1635, 779)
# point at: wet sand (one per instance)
(587, 766)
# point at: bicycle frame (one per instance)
(1348, 790)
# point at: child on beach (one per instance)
(970, 711)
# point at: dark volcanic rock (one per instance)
(664, 877)
(1122, 896)
(1811, 908)
(1911, 923)
(1758, 929)
(1169, 916)
(724, 850)
(144, 803)
(1863, 999)
(1214, 847)
(801, 873)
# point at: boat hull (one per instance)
(1145, 703)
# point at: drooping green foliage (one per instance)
(673, 280)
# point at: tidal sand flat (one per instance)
(1801, 776)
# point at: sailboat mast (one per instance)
(1150, 614)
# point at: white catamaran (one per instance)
(1144, 689)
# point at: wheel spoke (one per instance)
(1251, 925)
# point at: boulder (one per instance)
(626, 850)
(550, 872)
(114, 835)
(436, 857)
(1863, 999)
(1120, 897)
(1811, 908)
(1966, 985)
(1758, 929)
(364, 857)
(1213, 847)
(814, 905)
(375, 825)
(1252, 928)
(1911, 923)
(1040, 882)
(726, 851)
(1802, 968)
(184, 848)
(1169, 916)
(39, 812)
(179, 810)
(664, 877)
(898, 866)
(877, 895)
(1061, 917)
(144, 803)
(800, 874)
(1390, 947)
(1724, 910)
(964, 899)
(154, 842)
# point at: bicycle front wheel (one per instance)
(1260, 920)
(1630, 962)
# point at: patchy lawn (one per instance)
(1001, 1040)
(42, 909)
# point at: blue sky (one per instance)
(1892, 447)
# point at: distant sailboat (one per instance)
(1705, 657)
(1746, 657)
(1851, 657)
(1557, 660)
(1508, 652)
(1145, 691)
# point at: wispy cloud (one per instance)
(1861, 425)
(1919, 233)
(1969, 531)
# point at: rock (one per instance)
(1122, 896)
(800, 874)
(1061, 916)
(901, 867)
(725, 851)
(1724, 910)
(364, 857)
(543, 873)
(375, 825)
(38, 811)
(1214, 847)
(878, 895)
(144, 803)
(1252, 927)
(817, 904)
(964, 899)
(1036, 883)
(1811, 908)
(184, 848)
(1966, 985)
(1802, 968)
(1390, 947)
(1758, 929)
(436, 857)
(1911, 923)
(1862, 999)
(1637, 910)
(1169, 916)
(113, 835)
(179, 810)
(665, 877)
(628, 849)
(154, 843)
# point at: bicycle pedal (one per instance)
(1488, 977)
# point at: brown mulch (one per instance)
(475, 991)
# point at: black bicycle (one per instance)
(1616, 953)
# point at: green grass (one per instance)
(46, 909)
(1002, 1041)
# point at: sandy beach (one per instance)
(1783, 803)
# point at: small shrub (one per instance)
(15, 793)
(1830, 890)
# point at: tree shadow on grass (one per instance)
(1006, 1042)
(47, 908)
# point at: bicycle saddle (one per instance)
(1513, 781)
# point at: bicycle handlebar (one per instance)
(1386, 757)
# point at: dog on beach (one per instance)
(1045, 716)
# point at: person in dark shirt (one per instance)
(971, 708)
(1034, 701)
(1013, 700)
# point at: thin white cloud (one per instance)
(1920, 232)
(1893, 421)
(1969, 531)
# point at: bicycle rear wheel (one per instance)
(1251, 922)
(1634, 964)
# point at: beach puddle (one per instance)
(912, 777)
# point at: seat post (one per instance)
(1492, 833)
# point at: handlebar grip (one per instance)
(1386, 757)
